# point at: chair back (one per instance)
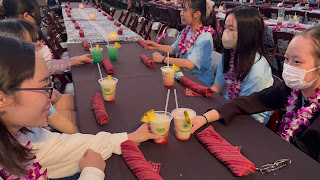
(299, 13)
(147, 33)
(268, 12)
(215, 60)
(315, 17)
(168, 40)
(172, 32)
(165, 16)
(155, 12)
(281, 41)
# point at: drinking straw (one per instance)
(167, 101)
(99, 70)
(176, 98)
(168, 59)
(90, 44)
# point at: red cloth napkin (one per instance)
(138, 164)
(76, 25)
(87, 3)
(204, 91)
(67, 10)
(73, 20)
(299, 28)
(96, 7)
(69, 14)
(226, 153)
(147, 61)
(265, 18)
(266, 4)
(99, 10)
(98, 109)
(120, 31)
(86, 45)
(70, 8)
(117, 23)
(189, 92)
(141, 42)
(81, 33)
(108, 66)
(110, 18)
(104, 13)
(309, 9)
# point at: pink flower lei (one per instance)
(233, 86)
(185, 45)
(293, 119)
(35, 170)
(160, 37)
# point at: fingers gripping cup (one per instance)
(96, 54)
(181, 126)
(168, 75)
(160, 125)
(108, 88)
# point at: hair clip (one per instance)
(275, 166)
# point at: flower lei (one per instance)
(292, 120)
(35, 171)
(160, 37)
(233, 86)
(183, 47)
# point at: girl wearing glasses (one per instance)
(27, 151)
(195, 44)
(297, 97)
(62, 114)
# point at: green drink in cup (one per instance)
(96, 54)
(113, 51)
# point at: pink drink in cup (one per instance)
(108, 88)
(168, 75)
(181, 127)
(160, 126)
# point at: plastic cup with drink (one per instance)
(96, 54)
(108, 88)
(113, 51)
(183, 118)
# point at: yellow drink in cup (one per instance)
(181, 127)
(168, 75)
(108, 88)
(161, 125)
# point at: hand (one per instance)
(82, 59)
(150, 45)
(92, 159)
(142, 134)
(198, 121)
(157, 57)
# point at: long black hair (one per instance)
(250, 41)
(14, 8)
(21, 28)
(17, 64)
(201, 6)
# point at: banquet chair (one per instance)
(155, 12)
(123, 16)
(165, 17)
(215, 60)
(146, 10)
(105, 7)
(56, 47)
(172, 32)
(143, 26)
(131, 20)
(161, 29)
(112, 11)
(314, 17)
(57, 28)
(230, 5)
(299, 13)
(148, 31)
(268, 12)
(278, 52)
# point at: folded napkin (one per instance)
(96, 7)
(92, 5)
(67, 10)
(147, 61)
(266, 4)
(99, 10)
(81, 33)
(189, 92)
(104, 13)
(68, 14)
(108, 66)
(86, 45)
(226, 153)
(70, 8)
(76, 25)
(299, 28)
(98, 109)
(265, 18)
(141, 42)
(87, 2)
(117, 23)
(137, 163)
(120, 31)
(73, 20)
(307, 9)
(110, 18)
(204, 91)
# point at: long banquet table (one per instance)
(140, 89)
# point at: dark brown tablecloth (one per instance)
(140, 89)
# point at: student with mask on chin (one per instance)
(29, 10)
(297, 97)
(244, 67)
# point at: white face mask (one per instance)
(46, 54)
(229, 41)
(294, 77)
